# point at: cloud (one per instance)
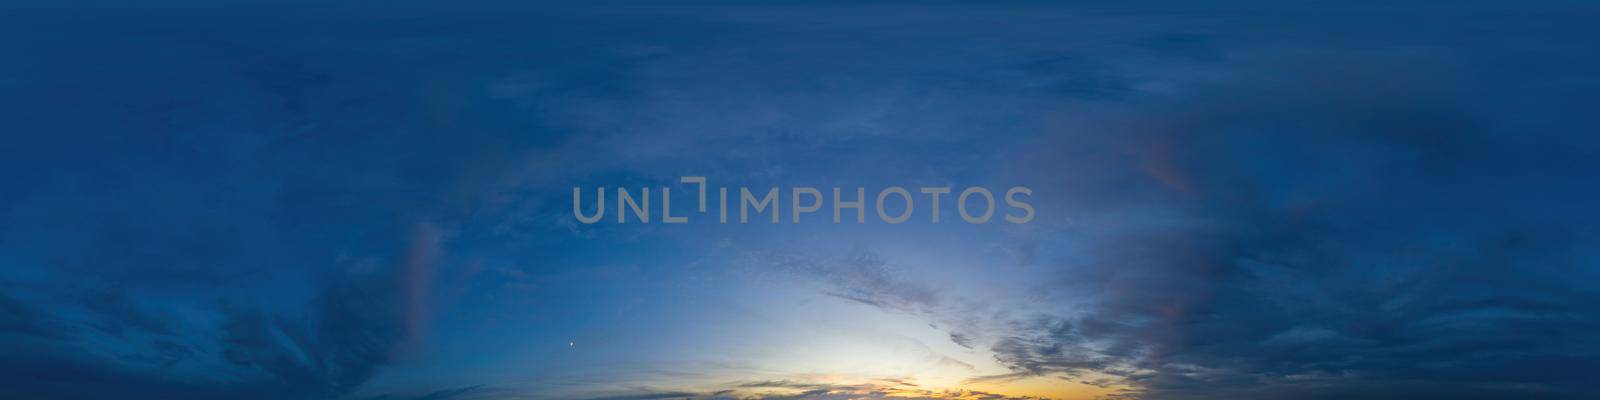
(359, 321)
(862, 277)
(650, 396)
(1048, 346)
(1324, 238)
(868, 278)
(1263, 203)
(461, 393)
(803, 390)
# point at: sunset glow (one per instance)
(787, 200)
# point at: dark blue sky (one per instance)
(1302, 200)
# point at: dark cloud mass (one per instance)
(1366, 225)
(1258, 201)
(355, 324)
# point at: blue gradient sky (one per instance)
(372, 200)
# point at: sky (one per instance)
(373, 200)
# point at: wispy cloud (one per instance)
(803, 390)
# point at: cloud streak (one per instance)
(1273, 201)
